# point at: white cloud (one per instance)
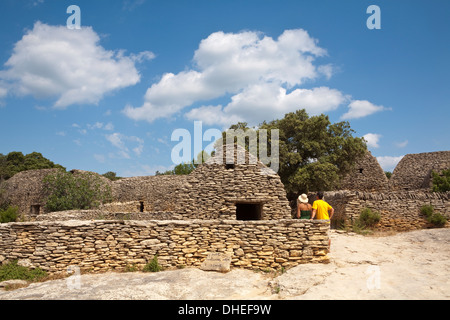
(3, 92)
(120, 141)
(100, 125)
(388, 163)
(361, 108)
(401, 144)
(243, 64)
(70, 65)
(372, 139)
(265, 101)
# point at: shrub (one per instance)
(369, 218)
(153, 265)
(441, 183)
(68, 191)
(426, 210)
(8, 215)
(12, 271)
(435, 218)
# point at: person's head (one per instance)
(303, 198)
(320, 195)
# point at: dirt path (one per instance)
(412, 265)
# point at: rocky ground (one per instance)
(407, 266)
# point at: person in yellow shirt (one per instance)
(321, 208)
(323, 211)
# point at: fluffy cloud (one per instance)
(372, 139)
(120, 141)
(256, 70)
(388, 163)
(260, 102)
(53, 61)
(361, 108)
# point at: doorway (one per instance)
(249, 211)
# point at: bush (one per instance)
(153, 265)
(8, 215)
(365, 221)
(435, 218)
(369, 218)
(441, 183)
(13, 271)
(426, 210)
(82, 191)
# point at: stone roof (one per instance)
(414, 170)
(367, 175)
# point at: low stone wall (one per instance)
(104, 245)
(400, 210)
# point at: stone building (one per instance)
(243, 190)
(367, 175)
(414, 170)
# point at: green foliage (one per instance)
(366, 220)
(12, 271)
(388, 174)
(111, 176)
(369, 218)
(313, 153)
(69, 191)
(441, 183)
(187, 167)
(153, 265)
(8, 215)
(15, 162)
(427, 210)
(435, 218)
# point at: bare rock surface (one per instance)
(410, 265)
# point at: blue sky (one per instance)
(108, 97)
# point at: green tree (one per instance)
(186, 167)
(441, 183)
(111, 176)
(314, 154)
(15, 162)
(69, 191)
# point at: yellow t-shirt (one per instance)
(322, 209)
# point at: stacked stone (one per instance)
(400, 210)
(414, 170)
(115, 245)
(367, 175)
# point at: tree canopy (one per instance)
(15, 162)
(314, 154)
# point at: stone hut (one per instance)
(26, 191)
(414, 170)
(244, 190)
(367, 175)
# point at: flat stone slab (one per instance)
(217, 261)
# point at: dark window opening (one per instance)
(141, 206)
(361, 170)
(249, 211)
(229, 166)
(35, 210)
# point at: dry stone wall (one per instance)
(115, 245)
(400, 211)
